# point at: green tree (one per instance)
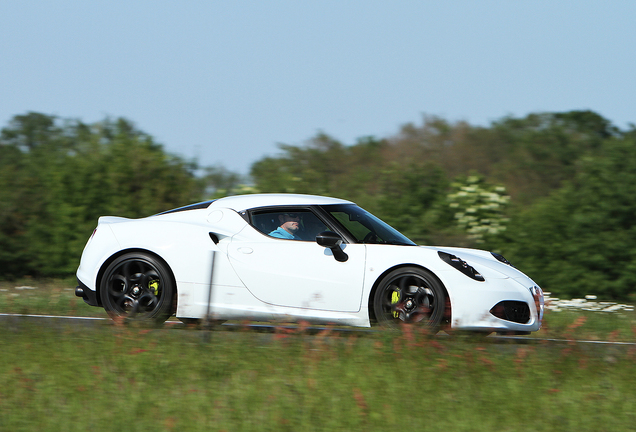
(57, 178)
(581, 239)
(219, 182)
(532, 156)
(316, 168)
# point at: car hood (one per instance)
(479, 259)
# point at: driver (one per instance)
(289, 226)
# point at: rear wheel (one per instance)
(138, 286)
(410, 295)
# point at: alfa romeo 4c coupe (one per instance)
(287, 257)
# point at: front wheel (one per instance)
(409, 295)
(138, 286)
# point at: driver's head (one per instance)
(289, 222)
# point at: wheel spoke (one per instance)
(398, 310)
(127, 270)
(117, 286)
(149, 275)
(134, 310)
(403, 285)
(147, 301)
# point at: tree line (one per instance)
(553, 192)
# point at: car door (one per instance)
(298, 272)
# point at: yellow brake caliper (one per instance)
(153, 285)
(395, 298)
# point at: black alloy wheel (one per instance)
(139, 287)
(410, 295)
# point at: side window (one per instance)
(356, 228)
(288, 224)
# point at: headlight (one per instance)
(461, 265)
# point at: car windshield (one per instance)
(365, 227)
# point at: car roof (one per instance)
(245, 202)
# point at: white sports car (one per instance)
(297, 257)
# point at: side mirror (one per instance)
(332, 241)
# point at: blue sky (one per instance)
(226, 81)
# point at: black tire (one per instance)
(409, 295)
(139, 287)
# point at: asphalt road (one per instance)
(60, 321)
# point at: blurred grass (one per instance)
(111, 378)
(44, 297)
(103, 377)
(589, 325)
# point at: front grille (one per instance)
(511, 310)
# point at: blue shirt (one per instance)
(281, 233)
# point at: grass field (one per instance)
(105, 377)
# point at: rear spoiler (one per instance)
(111, 220)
